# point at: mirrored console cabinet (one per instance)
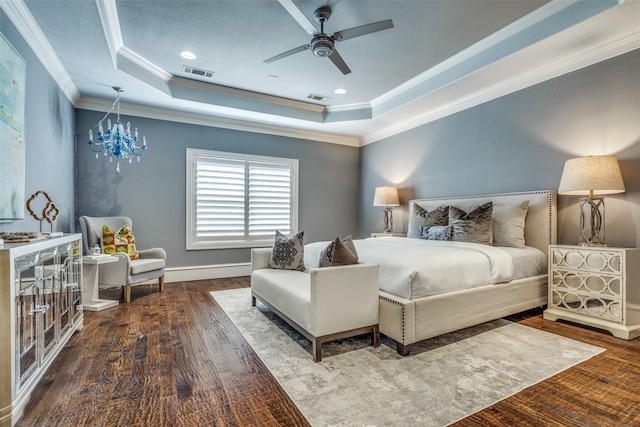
(40, 308)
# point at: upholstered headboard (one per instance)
(540, 229)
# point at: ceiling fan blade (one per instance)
(288, 53)
(298, 16)
(362, 30)
(339, 62)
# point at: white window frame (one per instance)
(192, 242)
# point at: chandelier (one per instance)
(117, 141)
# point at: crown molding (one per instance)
(254, 96)
(348, 107)
(22, 18)
(475, 49)
(591, 55)
(96, 104)
(143, 63)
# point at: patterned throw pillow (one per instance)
(473, 227)
(288, 254)
(119, 241)
(420, 217)
(339, 252)
(436, 232)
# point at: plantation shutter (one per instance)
(220, 199)
(269, 199)
(241, 198)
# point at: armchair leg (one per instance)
(126, 293)
(161, 281)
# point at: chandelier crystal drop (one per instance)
(117, 141)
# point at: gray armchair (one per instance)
(126, 272)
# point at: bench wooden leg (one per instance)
(161, 282)
(376, 336)
(316, 350)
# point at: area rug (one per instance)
(443, 380)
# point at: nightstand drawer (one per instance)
(587, 260)
(592, 295)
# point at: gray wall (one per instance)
(49, 142)
(520, 142)
(152, 192)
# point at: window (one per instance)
(239, 200)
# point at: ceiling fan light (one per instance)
(322, 45)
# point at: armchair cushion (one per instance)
(139, 266)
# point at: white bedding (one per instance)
(414, 268)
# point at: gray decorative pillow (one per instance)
(473, 227)
(288, 254)
(508, 224)
(339, 252)
(420, 217)
(436, 232)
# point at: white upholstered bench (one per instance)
(323, 304)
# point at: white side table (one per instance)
(90, 300)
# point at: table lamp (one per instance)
(387, 197)
(591, 176)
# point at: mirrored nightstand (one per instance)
(596, 286)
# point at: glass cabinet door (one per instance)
(47, 286)
(63, 293)
(68, 293)
(27, 301)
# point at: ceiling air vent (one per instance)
(197, 71)
(316, 97)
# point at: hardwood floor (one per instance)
(165, 359)
(175, 359)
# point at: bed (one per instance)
(432, 287)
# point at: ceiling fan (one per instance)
(323, 45)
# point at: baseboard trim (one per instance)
(203, 272)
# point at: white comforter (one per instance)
(414, 268)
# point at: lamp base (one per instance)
(388, 220)
(592, 222)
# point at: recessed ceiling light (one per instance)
(340, 91)
(187, 54)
